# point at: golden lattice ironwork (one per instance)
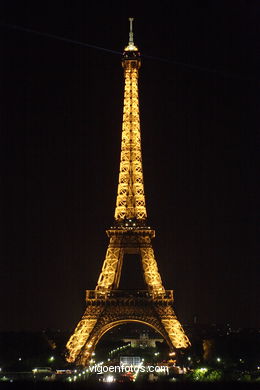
(106, 305)
(130, 201)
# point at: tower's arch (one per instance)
(104, 314)
(115, 324)
(106, 327)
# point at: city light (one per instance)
(109, 379)
(203, 369)
(138, 369)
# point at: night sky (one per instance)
(61, 114)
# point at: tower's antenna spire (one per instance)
(131, 34)
(131, 46)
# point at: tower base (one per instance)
(116, 307)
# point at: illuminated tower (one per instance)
(107, 306)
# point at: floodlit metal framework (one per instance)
(106, 305)
(130, 196)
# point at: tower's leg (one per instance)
(173, 327)
(81, 334)
(110, 274)
(151, 273)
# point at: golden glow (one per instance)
(175, 332)
(138, 242)
(79, 337)
(105, 307)
(151, 273)
(82, 354)
(131, 47)
(130, 201)
(111, 266)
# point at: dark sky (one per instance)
(61, 113)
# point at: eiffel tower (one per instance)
(107, 306)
